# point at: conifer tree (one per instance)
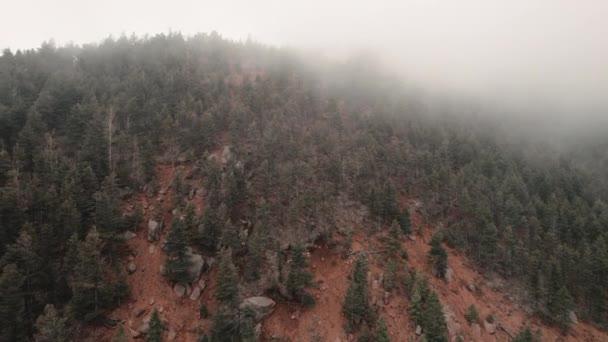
(381, 332)
(51, 326)
(356, 304)
(433, 320)
(560, 307)
(299, 278)
(390, 275)
(471, 315)
(12, 306)
(211, 232)
(155, 334)
(227, 293)
(393, 241)
(404, 221)
(88, 283)
(438, 257)
(178, 261)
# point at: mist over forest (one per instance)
(273, 171)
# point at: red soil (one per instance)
(146, 283)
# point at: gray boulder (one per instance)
(262, 307)
(476, 330)
(154, 229)
(180, 290)
(572, 317)
(197, 264)
(489, 327)
(196, 293)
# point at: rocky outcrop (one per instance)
(262, 307)
(180, 290)
(196, 293)
(197, 264)
(154, 229)
(489, 327)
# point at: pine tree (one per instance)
(299, 278)
(390, 275)
(438, 257)
(178, 262)
(227, 293)
(50, 326)
(471, 315)
(433, 320)
(12, 305)
(381, 332)
(155, 334)
(356, 304)
(416, 305)
(88, 282)
(404, 222)
(560, 307)
(211, 232)
(393, 241)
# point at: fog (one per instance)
(530, 56)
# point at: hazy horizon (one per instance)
(546, 55)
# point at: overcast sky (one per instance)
(528, 51)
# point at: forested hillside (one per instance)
(84, 128)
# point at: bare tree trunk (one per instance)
(110, 121)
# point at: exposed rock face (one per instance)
(144, 328)
(180, 290)
(261, 306)
(131, 268)
(154, 229)
(198, 263)
(196, 293)
(451, 320)
(489, 327)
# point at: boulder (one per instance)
(471, 287)
(572, 317)
(154, 229)
(180, 290)
(162, 270)
(411, 237)
(131, 268)
(151, 301)
(261, 306)
(202, 284)
(144, 328)
(172, 335)
(449, 272)
(191, 194)
(375, 285)
(196, 293)
(476, 330)
(489, 327)
(418, 330)
(152, 249)
(197, 264)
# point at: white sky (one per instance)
(521, 50)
